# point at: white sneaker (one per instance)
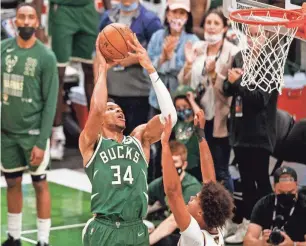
(58, 141)
(229, 228)
(240, 233)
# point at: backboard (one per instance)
(231, 5)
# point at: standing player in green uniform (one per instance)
(29, 85)
(116, 164)
(73, 27)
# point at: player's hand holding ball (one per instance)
(101, 59)
(141, 54)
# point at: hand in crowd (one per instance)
(167, 130)
(265, 237)
(210, 65)
(234, 74)
(190, 53)
(141, 54)
(169, 47)
(199, 119)
(190, 96)
(37, 156)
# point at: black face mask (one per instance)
(179, 170)
(286, 200)
(26, 32)
(184, 114)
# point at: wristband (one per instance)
(200, 134)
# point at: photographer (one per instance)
(279, 217)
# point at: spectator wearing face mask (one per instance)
(285, 208)
(184, 130)
(163, 234)
(204, 62)
(166, 47)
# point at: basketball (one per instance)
(113, 41)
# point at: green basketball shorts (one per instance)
(102, 232)
(73, 31)
(16, 154)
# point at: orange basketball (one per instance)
(113, 41)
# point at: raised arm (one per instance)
(172, 183)
(207, 163)
(151, 132)
(89, 135)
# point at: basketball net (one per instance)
(265, 50)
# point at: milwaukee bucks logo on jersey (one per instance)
(29, 67)
(10, 62)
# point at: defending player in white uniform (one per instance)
(201, 220)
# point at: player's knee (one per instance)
(40, 183)
(14, 183)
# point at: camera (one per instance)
(276, 237)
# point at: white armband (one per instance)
(164, 99)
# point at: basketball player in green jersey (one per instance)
(116, 164)
(29, 85)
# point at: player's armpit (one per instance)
(149, 133)
(153, 130)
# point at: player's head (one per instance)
(215, 26)
(212, 206)
(114, 118)
(26, 20)
(285, 185)
(179, 156)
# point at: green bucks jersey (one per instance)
(118, 174)
(29, 89)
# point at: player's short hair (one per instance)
(178, 148)
(20, 5)
(217, 204)
(109, 99)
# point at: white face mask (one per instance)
(177, 24)
(213, 39)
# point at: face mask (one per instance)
(26, 32)
(286, 200)
(177, 24)
(213, 39)
(179, 170)
(184, 114)
(129, 8)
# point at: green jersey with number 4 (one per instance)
(118, 174)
